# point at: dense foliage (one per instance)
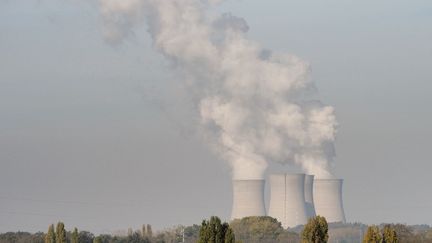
(50, 235)
(74, 236)
(60, 233)
(247, 230)
(214, 231)
(262, 229)
(22, 237)
(386, 235)
(315, 231)
(373, 235)
(389, 234)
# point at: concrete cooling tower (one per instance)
(248, 198)
(327, 195)
(310, 208)
(287, 199)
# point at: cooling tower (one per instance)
(287, 199)
(310, 209)
(277, 198)
(327, 195)
(248, 198)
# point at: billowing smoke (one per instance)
(254, 104)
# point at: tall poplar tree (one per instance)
(389, 235)
(74, 238)
(60, 233)
(373, 235)
(149, 231)
(144, 231)
(50, 235)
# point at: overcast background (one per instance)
(102, 137)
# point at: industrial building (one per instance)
(294, 198)
(328, 199)
(287, 199)
(248, 198)
(310, 207)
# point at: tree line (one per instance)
(246, 230)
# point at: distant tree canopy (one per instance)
(372, 235)
(257, 229)
(405, 233)
(22, 237)
(386, 235)
(261, 229)
(60, 233)
(191, 233)
(213, 231)
(85, 237)
(315, 231)
(135, 237)
(97, 240)
(74, 236)
(246, 230)
(149, 231)
(389, 235)
(50, 235)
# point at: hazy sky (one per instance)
(102, 137)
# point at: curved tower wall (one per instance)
(296, 207)
(277, 198)
(310, 209)
(328, 199)
(248, 198)
(287, 199)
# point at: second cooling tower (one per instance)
(328, 199)
(310, 208)
(248, 198)
(287, 199)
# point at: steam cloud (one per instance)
(253, 103)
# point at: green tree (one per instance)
(60, 233)
(229, 236)
(257, 229)
(74, 238)
(315, 231)
(136, 237)
(149, 231)
(191, 233)
(372, 235)
(389, 235)
(106, 238)
(213, 231)
(288, 236)
(144, 231)
(97, 240)
(404, 233)
(85, 237)
(50, 235)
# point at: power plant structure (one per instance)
(294, 198)
(328, 199)
(287, 199)
(248, 198)
(308, 191)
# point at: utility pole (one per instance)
(183, 234)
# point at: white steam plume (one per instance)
(252, 101)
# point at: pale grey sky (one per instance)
(102, 137)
